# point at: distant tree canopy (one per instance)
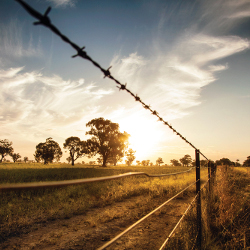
(106, 140)
(76, 147)
(25, 159)
(48, 151)
(224, 161)
(186, 160)
(130, 154)
(15, 156)
(246, 163)
(159, 161)
(5, 148)
(175, 163)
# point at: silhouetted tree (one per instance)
(5, 148)
(76, 147)
(15, 156)
(246, 163)
(106, 140)
(118, 149)
(48, 151)
(68, 159)
(25, 159)
(224, 161)
(130, 154)
(186, 160)
(175, 163)
(159, 161)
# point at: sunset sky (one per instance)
(189, 60)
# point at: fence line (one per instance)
(44, 20)
(142, 219)
(57, 184)
(182, 217)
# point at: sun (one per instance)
(145, 135)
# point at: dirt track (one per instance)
(83, 232)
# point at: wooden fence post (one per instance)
(198, 207)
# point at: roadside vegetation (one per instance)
(22, 209)
(225, 214)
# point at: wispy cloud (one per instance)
(12, 42)
(63, 3)
(33, 100)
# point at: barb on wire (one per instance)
(57, 184)
(44, 20)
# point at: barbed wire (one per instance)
(45, 20)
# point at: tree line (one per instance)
(106, 141)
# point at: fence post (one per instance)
(198, 207)
(209, 175)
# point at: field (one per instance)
(90, 214)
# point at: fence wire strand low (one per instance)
(142, 219)
(57, 184)
(182, 217)
(45, 20)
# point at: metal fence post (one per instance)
(209, 175)
(198, 207)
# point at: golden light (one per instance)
(145, 135)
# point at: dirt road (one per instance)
(98, 225)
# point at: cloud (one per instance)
(223, 14)
(63, 3)
(172, 80)
(31, 100)
(12, 42)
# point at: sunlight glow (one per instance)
(145, 135)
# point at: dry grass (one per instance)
(21, 209)
(225, 214)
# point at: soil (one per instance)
(89, 232)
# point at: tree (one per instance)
(15, 156)
(48, 151)
(76, 147)
(106, 140)
(25, 159)
(130, 154)
(175, 163)
(159, 161)
(5, 148)
(237, 164)
(203, 163)
(224, 161)
(138, 163)
(143, 163)
(246, 163)
(186, 160)
(69, 160)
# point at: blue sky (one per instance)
(188, 59)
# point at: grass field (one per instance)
(20, 209)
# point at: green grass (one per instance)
(21, 209)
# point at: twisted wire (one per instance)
(45, 20)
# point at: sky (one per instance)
(189, 60)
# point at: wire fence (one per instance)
(45, 20)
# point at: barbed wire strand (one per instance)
(45, 20)
(57, 184)
(182, 217)
(142, 219)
